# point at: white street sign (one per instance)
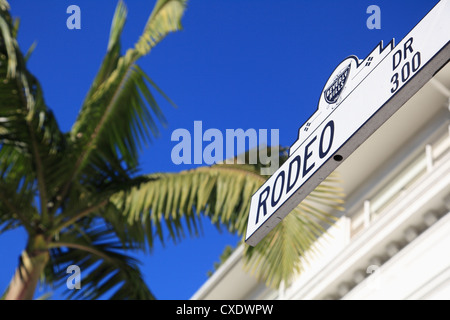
(357, 99)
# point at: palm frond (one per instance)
(165, 18)
(4, 5)
(223, 193)
(28, 130)
(115, 113)
(166, 200)
(9, 43)
(105, 271)
(16, 207)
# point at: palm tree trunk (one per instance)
(32, 263)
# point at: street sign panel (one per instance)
(358, 98)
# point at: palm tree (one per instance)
(79, 196)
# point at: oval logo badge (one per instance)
(332, 93)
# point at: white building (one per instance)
(393, 241)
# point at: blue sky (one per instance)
(258, 64)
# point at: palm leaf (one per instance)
(106, 271)
(223, 193)
(114, 114)
(166, 200)
(28, 129)
(165, 18)
(6, 28)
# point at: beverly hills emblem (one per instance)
(332, 93)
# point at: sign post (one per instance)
(358, 98)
